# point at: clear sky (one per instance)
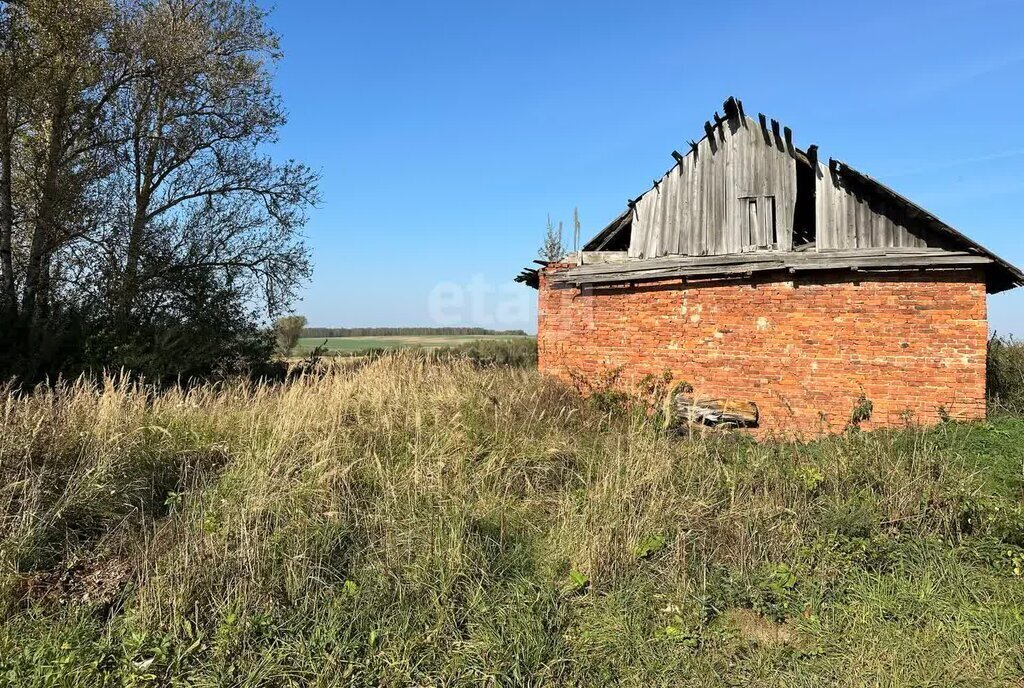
(447, 131)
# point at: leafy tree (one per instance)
(134, 182)
(206, 331)
(288, 330)
(201, 195)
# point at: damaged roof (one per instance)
(1001, 274)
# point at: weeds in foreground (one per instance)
(1006, 374)
(420, 522)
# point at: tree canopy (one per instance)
(288, 330)
(142, 222)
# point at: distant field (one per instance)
(357, 344)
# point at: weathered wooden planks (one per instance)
(600, 257)
(701, 206)
(698, 208)
(735, 192)
(847, 218)
(745, 264)
(683, 410)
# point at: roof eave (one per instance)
(1005, 276)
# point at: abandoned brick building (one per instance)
(754, 271)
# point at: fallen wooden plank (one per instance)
(683, 409)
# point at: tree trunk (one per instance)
(129, 291)
(45, 230)
(8, 296)
(145, 174)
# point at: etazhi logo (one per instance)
(481, 303)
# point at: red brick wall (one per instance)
(802, 348)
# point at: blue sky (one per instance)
(447, 131)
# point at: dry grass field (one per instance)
(411, 521)
(357, 345)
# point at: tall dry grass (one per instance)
(415, 522)
(1006, 374)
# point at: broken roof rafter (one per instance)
(1005, 276)
(733, 109)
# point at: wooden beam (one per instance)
(789, 139)
(776, 135)
(744, 265)
(795, 258)
(677, 156)
(720, 126)
(731, 108)
(602, 257)
(683, 410)
(764, 128)
(623, 222)
(801, 258)
(608, 233)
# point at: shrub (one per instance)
(520, 352)
(1006, 374)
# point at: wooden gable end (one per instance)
(745, 199)
(735, 191)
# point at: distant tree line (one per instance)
(404, 331)
(142, 223)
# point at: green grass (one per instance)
(355, 345)
(422, 521)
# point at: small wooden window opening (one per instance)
(761, 227)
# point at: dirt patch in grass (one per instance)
(99, 582)
(753, 627)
